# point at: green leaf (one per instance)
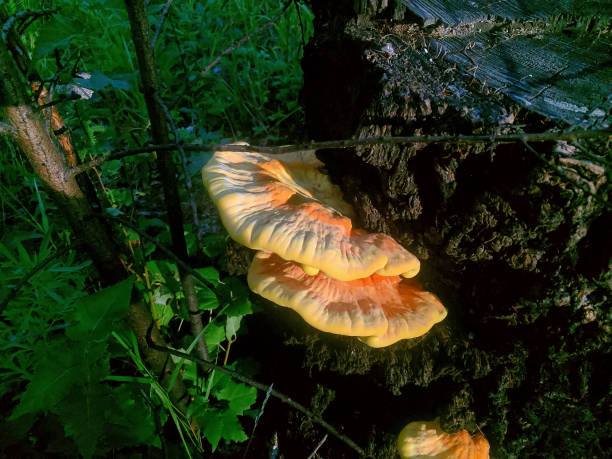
(239, 395)
(60, 366)
(215, 334)
(239, 307)
(99, 80)
(231, 327)
(214, 244)
(166, 273)
(206, 298)
(216, 424)
(94, 315)
(83, 417)
(210, 274)
(131, 421)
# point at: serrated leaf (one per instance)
(215, 334)
(83, 417)
(60, 366)
(216, 424)
(239, 395)
(94, 315)
(131, 422)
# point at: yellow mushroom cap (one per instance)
(427, 440)
(283, 204)
(383, 309)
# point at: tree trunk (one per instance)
(514, 242)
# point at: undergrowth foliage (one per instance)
(71, 374)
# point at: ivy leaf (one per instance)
(216, 424)
(94, 315)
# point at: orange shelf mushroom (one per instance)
(380, 309)
(283, 204)
(427, 440)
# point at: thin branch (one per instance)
(262, 387)
(139, 26)
(21, 17)
(349, 143)
(259, 415)
(313, 454)
(184, 266)
(244, 39)
(162, 20)
(179, 147)
(7, 129)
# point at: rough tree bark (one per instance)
(514, 243)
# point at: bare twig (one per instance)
(348, 143)
(21, 17)
(139, 26)
(182, 265)
(162, 20)
(244, 39)
(259, 415)
(179, 147)
(313, 454)
(262, 387)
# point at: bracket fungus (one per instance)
(284, 204)
(379, 309)
(339, 279)
(427, 440)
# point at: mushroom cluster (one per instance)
(427, 440)
(339, 279)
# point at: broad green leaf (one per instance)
(60, 366)
(206, 297)
(83, 416)
(215, 334)
(216, 424)
(214, 244)
(94, 315)
(131, 421)
(166, 273)
(239, 395)
(239, 307)
(210, 274)
(99, 80)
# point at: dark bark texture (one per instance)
(514, 242)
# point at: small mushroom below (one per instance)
(381, 310)
(423, 439)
